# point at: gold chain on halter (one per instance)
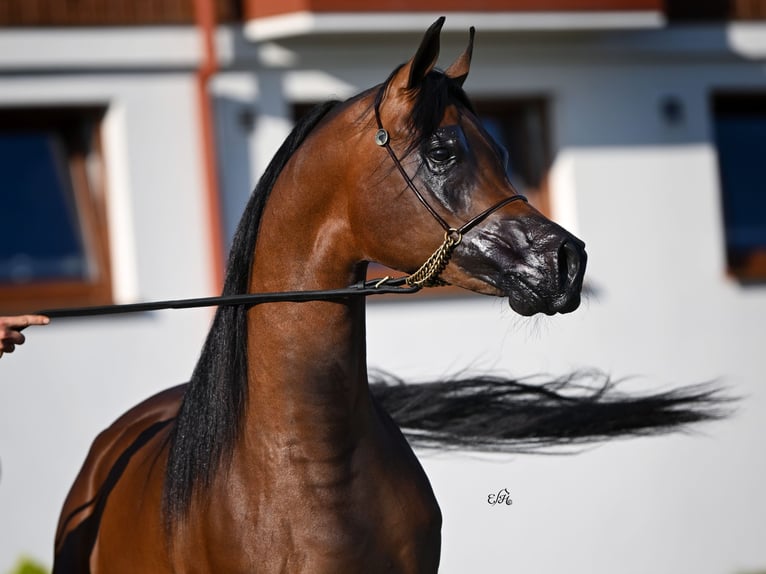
(428, 274)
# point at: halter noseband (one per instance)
(428, 273)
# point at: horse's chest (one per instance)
(356, 523)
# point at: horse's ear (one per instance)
(412, 73)
(459, 69)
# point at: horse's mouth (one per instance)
(524, 298)
(527, 301)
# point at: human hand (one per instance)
(11, 327)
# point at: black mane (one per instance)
(209, 419)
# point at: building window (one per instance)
(54, 250)
(521, 126)
(740, 138)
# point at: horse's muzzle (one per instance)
(548, 281)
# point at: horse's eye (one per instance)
(440, 154)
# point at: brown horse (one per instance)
(276, 457)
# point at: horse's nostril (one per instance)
(569, 263)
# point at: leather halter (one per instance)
(428, 274)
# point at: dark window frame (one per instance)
(747, 263)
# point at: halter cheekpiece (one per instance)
(428, 275)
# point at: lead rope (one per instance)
(386, 286)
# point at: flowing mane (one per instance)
(209, 420)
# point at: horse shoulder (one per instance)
(109, 455)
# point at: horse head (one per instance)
(444, 170)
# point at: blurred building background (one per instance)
(131, 134)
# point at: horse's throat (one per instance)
(307, 373)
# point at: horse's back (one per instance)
(144, 427)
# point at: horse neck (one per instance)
(307, 371)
